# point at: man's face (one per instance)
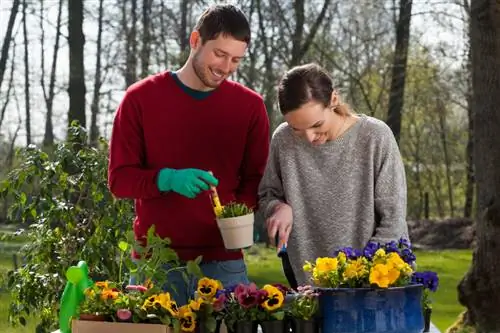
(217, 59)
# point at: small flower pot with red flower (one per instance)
(236, 225)
(373, 290)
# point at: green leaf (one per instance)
(210, 324)
(194, 269)
(23, 198)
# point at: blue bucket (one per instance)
(366, 310)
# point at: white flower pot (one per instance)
(237, 232)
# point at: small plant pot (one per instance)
(304, 326)
(237, 232)
(427, 319)
(244, 327)
(274, 326)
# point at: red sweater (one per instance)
(158, 125)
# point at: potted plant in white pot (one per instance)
(236, 224)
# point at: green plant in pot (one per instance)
(430, 281)
(236, 224)
(303, 310)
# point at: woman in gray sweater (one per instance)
(333, 178)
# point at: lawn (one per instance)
(265, 267)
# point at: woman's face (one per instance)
(312, 121)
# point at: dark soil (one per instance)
(456, 233)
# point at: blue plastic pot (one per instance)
(365, 310)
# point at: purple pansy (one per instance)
(428, 279)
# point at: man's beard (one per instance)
(201, 73)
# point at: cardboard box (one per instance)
(83, 326)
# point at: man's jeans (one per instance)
(229, 272)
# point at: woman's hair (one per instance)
(306, 83)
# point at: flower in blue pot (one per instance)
(370, 290)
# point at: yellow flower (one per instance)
(395, 260)
(109, 294)
(274, 299)
(207, 288)
(326, 265)
(172, 308)
(164, 300)
(89, 292)
(187, 318)
(379, 257)
(308, 267)
(341, 258)
(148, 303)
(407, 270)
(102, 284)
(148, 284)
(383, 275)
(195, 304)
(355, 269)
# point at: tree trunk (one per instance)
(146, 37)
(48, 137)
(76, 41)
(26, 77)
(9, 87)
(183, 32)
(131, 43)
(447, 163)
(397, 91)
(479, 291)
(469, 187)
(94, 129)
(301, 43)
(8, 37)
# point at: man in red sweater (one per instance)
(172, 128)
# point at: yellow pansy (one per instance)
(186, 318)
(355, 269)
(207, 288)
(274, 299)
(195, 304)
(383, 275)
(326, 265)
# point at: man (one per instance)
(174, 128)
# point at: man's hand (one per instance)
(186, 182)
(280, 223)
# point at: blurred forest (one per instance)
(406, 62)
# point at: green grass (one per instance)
(264, 267)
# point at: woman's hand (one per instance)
(280, 222)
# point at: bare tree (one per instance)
(76, 41)
(479, 291)
(9, 86)
(130, 42)
(146, 37)
(396, 100)
(94, 129)
(8, 37)
(26, 77)
(48, 136)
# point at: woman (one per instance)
(333, 178)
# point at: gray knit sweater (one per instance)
(344, 193)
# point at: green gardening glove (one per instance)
(186, 182)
